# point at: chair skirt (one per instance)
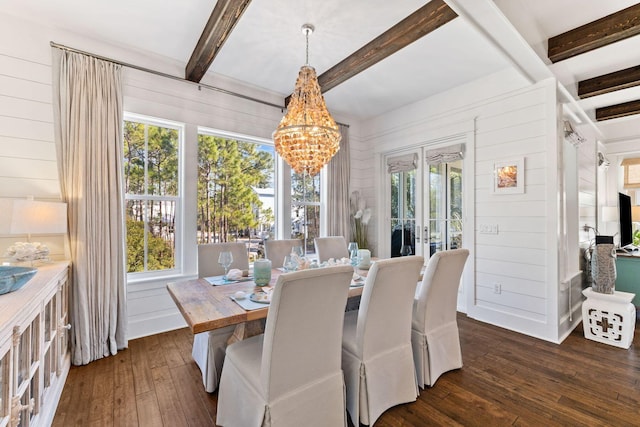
(377, 384)
(208, 352)
(436, 353)
(241, 402)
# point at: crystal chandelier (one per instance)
(307, 136)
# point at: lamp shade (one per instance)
(36, 217)
(609, 214)
(635, 213)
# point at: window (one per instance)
(305, 209)
(152, 193)
(631, 173)
(236, 192)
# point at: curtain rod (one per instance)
(169, 76)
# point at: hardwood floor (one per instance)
(508, 379)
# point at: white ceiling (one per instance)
(266, 49)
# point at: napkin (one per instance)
(234, 274)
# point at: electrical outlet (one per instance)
(497, 288)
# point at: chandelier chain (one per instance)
(307, 53)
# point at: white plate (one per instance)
(260, 297)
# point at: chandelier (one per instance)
(307, 136)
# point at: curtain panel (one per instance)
(338, 204)
(87, 99)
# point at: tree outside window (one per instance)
(305, 209)
(235, 191)
(151, 154)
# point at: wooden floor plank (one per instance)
(508, 379)
(148, 410)
(125, 412)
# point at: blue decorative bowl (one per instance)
(13, 278)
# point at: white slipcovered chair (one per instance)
(376, 345)
(330, 247)
(209, 347)
(290, 375)
(275, 250)
(434, 328)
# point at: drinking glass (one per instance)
(406, 250)
(289, 263)
(298, 250)
(225, 259)
(353, 253)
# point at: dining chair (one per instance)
(275, 250)
(330, 247)
(434, 328)
(376, 345)
(209, 347)
(291, 375)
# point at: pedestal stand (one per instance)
(609, 318)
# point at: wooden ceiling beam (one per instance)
(223, 19)
(619, 110)
(610, 29)
(420, 23)
(611, 82)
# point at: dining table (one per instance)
(206, 307)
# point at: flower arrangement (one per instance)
(26, 251)
(360, 217)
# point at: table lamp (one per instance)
(29, 217)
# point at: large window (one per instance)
(305, 209)
(236, 193)
(152, 193)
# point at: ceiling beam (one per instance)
(619, 110)
(611, 82)
(224, 17)
(610, 29)
(420, 23)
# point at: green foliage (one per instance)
(159, 255)
(228, 170)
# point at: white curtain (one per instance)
(87, 99)
(338, 192)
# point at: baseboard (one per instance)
(143, 326)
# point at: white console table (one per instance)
(609, 318)
(34, 347)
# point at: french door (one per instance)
(424, 191)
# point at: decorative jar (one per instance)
(262, 271)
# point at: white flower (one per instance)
(362, 203)
(366, 216)
(358, 214)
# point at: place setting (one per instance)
(259, 298)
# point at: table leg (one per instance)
(246, 330)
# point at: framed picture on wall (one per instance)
(508, 176)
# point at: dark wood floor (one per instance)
(508, 379)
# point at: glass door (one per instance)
(444, 212)
(425, 201)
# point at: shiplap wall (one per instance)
(524, 256)
(27, 149)
(519, 122)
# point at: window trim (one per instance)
(178, 270)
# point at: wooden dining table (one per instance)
(206, 307)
